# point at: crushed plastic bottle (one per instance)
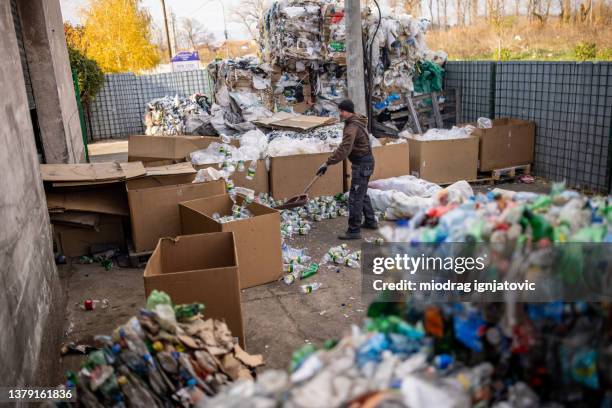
(310, 287)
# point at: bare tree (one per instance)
(249, 13)
(431, 12)
(195, 34)
(474, 11)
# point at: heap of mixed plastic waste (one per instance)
(503, 354)
(168, 355)
(171, 115)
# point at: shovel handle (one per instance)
(310, 184)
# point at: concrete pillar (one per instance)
(47, 54)
(31, 307)
(354, 55)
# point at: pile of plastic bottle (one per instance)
(342, 255)
(168, 355)
(293, 224)
(239, 212)
(507, 217)
(297, 221)
(503, 354)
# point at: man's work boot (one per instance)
(349, 235)
(373, 226)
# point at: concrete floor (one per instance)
(278, 317)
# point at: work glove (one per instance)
(322, 170)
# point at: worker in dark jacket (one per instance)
(356, 147)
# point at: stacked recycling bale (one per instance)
(243, 75)
(306, 43)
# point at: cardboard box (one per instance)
(510, 142)
(154, 202)
(73, 241)
(258, 239)
(289, 175)
(164, 149)
(199, 268)
(444, 161)
(259, 182)
(390, 160)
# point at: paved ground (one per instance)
(278, 318)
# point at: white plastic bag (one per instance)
(484, 123)
(409, 185)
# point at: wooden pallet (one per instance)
(138, 259)
(481, 180)
(509, 172)
(498, 175)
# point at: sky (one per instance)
(208, 12)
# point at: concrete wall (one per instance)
(30, 301)
(58, 116)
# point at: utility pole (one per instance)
(354, 55)
(163, 2)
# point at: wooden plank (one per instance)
(415, 117)
(436, 110)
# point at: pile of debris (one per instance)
(170, 116)
(503, 354)
(168, 355)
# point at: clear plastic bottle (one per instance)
(311, 287)
(251, 170)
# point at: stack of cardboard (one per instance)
(90, 207)
(87, 205)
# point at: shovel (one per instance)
(298, 201)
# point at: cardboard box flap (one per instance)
(103, 201)
(187, 255)
(159, 181)
(133, 169)
(179, 168)
(222, 204)
(284, 120)
(82, 172)
(76, 219)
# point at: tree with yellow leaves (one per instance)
(117, 35)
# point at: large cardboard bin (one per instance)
(444, 161)
(510, 142)
(154, 205)
(199, 268)
(259, 182)
(392, 159)
(162, 150)
(289, 175)
(258, 239)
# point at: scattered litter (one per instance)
(311, 287)
(74, 348)
(342, 255)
